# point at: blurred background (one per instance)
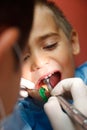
(76, 12)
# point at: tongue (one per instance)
(54, 79)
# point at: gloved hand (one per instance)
(25, 84)
(59, 119)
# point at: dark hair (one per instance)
(17, 13)
(60, 20)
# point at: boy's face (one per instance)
(9, 77)
(49, 51)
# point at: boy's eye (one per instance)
(51, 46)
(26, 57)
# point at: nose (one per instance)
(38, 62)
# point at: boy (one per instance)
(52, 46)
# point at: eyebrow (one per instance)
(47, 36)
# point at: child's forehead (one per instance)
(42, 12)
(43, 32)
(44, 26)
(45, 11)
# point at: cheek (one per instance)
(64, 54)
(65, 59)
(67, 63)
(25, 72)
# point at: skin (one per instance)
(48, 49)
(9, 77)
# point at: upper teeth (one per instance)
(48, 76)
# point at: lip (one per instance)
(49, 75)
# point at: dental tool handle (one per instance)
(73, 113)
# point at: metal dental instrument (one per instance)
(73, 113)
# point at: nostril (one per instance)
(35, 67)
(38, 64)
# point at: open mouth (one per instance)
(53, 79)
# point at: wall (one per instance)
(76, 12)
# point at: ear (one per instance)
(7, 38)
(75, 43)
